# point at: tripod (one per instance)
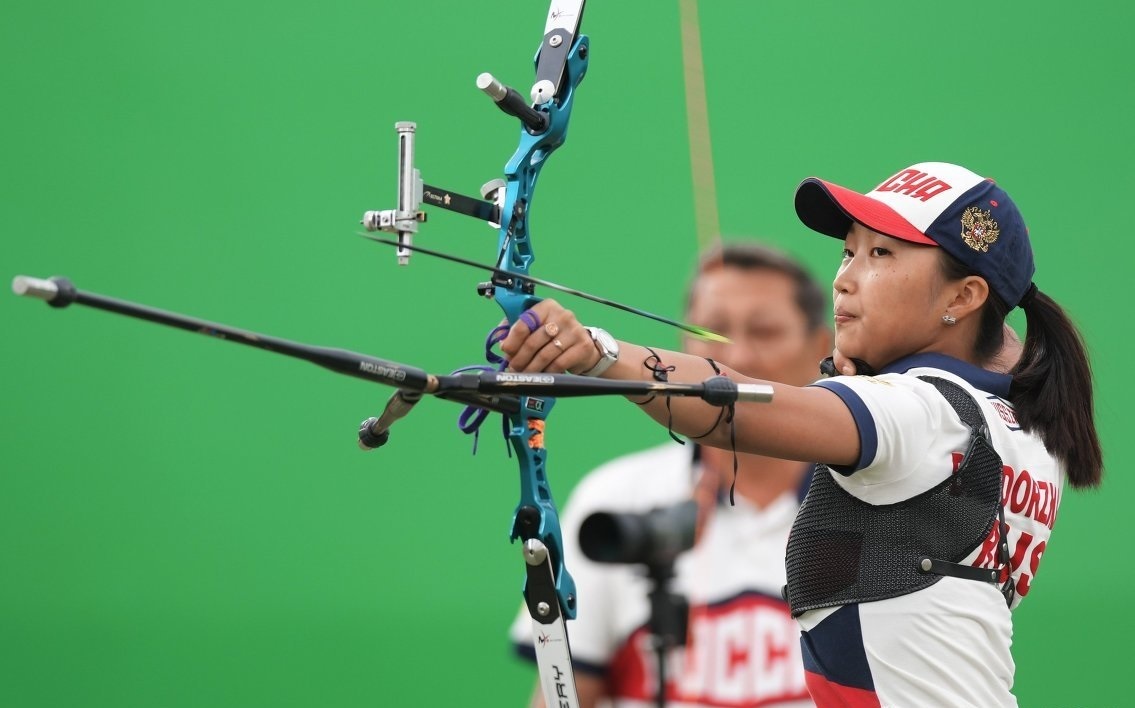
(669, 621)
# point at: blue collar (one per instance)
(981, 379)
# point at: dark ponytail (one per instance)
(1052, 382)
(1052, 391)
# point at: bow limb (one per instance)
(536, 517)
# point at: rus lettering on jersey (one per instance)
(1035, 499)
(915, 184)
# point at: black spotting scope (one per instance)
(655, 537)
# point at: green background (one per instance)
(189, 523)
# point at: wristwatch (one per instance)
(608, 351)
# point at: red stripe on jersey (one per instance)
(828, 694)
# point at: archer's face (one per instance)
(887, 298)
(757, 310)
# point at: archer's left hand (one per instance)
(548, 338)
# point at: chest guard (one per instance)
(843, 550)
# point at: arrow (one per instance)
(700, 332)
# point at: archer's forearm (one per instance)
(687, 416)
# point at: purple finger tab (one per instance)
(529, 318)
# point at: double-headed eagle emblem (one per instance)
(979, 230)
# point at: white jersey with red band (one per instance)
(949, 643)
(743, 648)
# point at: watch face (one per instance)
(606, 341)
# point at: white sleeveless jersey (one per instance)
(743, 648)
(949, 643)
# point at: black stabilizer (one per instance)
(515, 105)
(368, 437)
(719, 391)
(67, 292)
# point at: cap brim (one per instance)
(830, 209)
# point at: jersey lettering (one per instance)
(745, 652)
(1008, 416)
(1032, 498)
(914, 183)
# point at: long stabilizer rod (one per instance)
(496, 391)
(60, 292)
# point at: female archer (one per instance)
(938, 479)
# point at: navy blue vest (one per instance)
(844, 550)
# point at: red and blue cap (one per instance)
(939, 204)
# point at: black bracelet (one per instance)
(658, 370)
(661, 373)
(732, 434)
